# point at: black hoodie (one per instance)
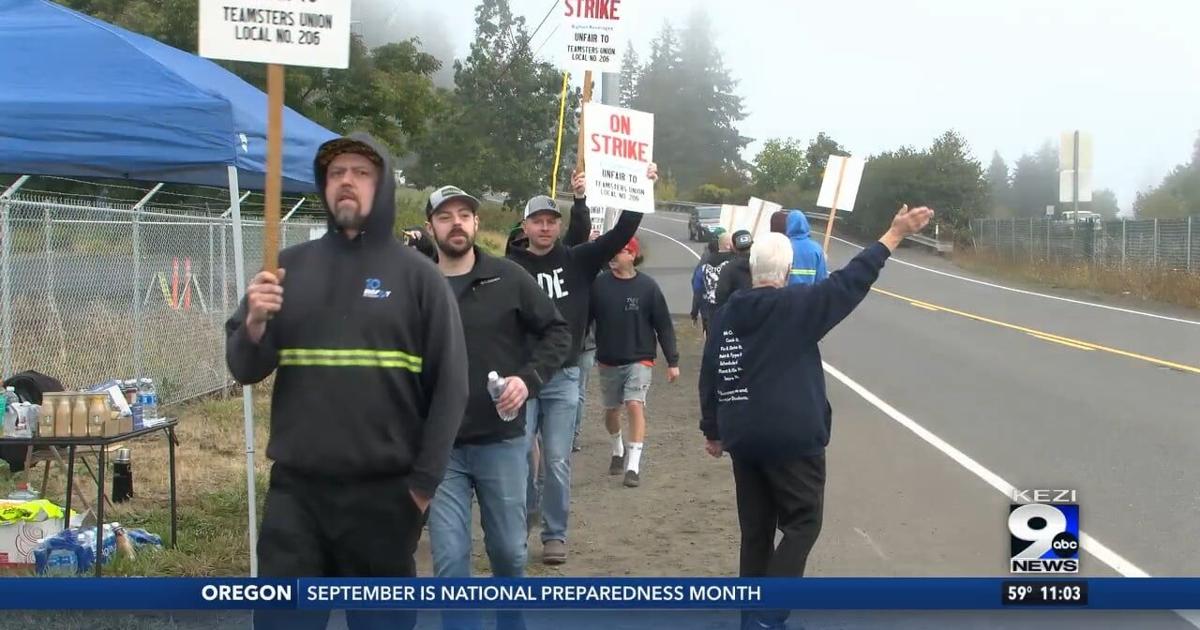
(762, 386)
(372, 370)
(566, 273)
(734, 277)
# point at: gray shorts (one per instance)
(624, 383)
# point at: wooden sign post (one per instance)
(841, 174)
(580, 162)
(275, 87)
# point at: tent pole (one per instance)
(239, 265)
(6, 273)
(138, 367)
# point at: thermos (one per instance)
(122, 483)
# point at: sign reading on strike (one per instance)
(620, 147)
(286, 32)
(595, 36)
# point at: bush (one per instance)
(711, 193)
(665, 189)
(794, 196)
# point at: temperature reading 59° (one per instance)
(1019, 593)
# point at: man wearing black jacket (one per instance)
(631, 313)
(370, 387)
(512, 328)
(566, 274)
(762, 398)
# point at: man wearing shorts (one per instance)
(630, 314)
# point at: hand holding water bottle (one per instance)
(509, 393)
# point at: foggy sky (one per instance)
(877, 74)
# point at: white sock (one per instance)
(618, 446)
(635, 456)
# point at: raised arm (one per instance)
(825, 304)
(580, 225)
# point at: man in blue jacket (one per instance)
(808, 261)
(762, 398)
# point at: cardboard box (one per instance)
(18, 539)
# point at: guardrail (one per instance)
(932, 242)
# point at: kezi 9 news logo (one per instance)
(1043, 527)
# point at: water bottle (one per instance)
(495, 387)
(10, 412)
(148, 399)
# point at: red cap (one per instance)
(634, 247)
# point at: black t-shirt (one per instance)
(459, 283)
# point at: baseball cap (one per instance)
(338, 146)
(634, 247)
(742, 240)
(541, 203)
(447, 193)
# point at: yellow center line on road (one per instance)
(1065, 343)
(1038, 333)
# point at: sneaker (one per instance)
(554, 552)
(631, 479)
(617, 465)
(575, 447)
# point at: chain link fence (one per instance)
(95, 291)
(1171, 244)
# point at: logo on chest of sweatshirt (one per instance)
(374, 289)
(631, 304)
(552, 283)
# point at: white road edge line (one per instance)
(1098, 550)
(1033, 293)
(679, 243)
(1090, 544)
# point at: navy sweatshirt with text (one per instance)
(630, 314)
(762, 387)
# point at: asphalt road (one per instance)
(947, 393)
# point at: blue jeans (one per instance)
(496, 473)
(586, 361)
(553, 414)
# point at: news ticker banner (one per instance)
(599, 593)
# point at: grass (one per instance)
(1146, 283)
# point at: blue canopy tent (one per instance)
(81, 97)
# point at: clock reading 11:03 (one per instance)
(1044, 593)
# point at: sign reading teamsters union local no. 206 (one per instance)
(287, 32)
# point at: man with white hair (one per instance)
(762, 397)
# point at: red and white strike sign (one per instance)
(595, 34)
(620, 146)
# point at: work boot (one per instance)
(554, 552)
